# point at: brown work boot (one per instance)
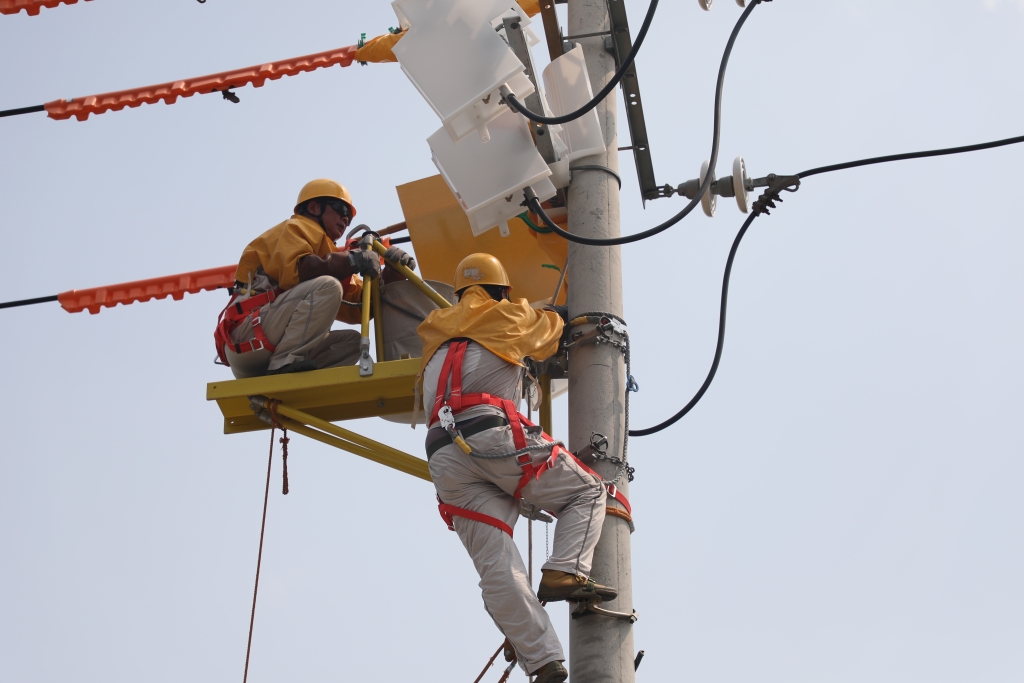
(552, 672)
(558, 585)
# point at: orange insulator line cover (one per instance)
(81, 107)
(175, 286)
(31, 6)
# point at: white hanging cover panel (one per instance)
(457, 61)
(567, 86)
(488, 178)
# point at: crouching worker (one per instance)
(485, 457)
(292, 283)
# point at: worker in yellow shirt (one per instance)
(292, 283)
(489, 463)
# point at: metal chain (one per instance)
(631, 385)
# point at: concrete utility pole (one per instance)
(600, 648)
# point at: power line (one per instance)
(29, 302)
(22, 110)
(721, 339)
(510, 98)
(732, 253)
(534, 202)
(911, 155)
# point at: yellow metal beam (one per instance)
(332, 394)
(344, 439)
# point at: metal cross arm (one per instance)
(339, 437)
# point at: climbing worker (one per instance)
(293, 282)
(486, 459)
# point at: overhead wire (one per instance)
(603, 93)
(911, 155)
(29, 302)
(23, 110)
(746, 225)
(535, 205)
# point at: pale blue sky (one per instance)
(844, 504)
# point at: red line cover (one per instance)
(175, 286)
(31, 6)
(81, 107)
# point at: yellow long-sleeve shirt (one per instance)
(510, 330)
(278, 251)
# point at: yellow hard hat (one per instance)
(480, 269)
(323, 187)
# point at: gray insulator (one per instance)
(724, 187)
(689, 189)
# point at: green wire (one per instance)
(525, 217)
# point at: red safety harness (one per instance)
(459, 401)
(233, 315)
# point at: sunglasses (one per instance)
(341, 207)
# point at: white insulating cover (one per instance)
(488, 178)
(568, 88)
(458, 62)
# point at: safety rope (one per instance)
(259, 555)
(546, 446)
(284, 461)
(275, 423)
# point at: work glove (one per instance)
(562, 311)
(365, 262)
(396, 255)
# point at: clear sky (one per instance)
(843, 505)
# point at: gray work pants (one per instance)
(572, 494)
(298, 323)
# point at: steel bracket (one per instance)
(622, 44)
(517, 42)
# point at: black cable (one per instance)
(732, 253)
(23, 110)
(912, 155)
(534, 202)
(401, 240)
(29, 302)
(721, 339)
(609, 86)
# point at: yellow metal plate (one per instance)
(333, 394)
(442, 237)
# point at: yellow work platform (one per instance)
(333, 394)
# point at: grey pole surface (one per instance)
(600, 648)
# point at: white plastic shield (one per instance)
(488, 178)
(457, 61)
(568, 88)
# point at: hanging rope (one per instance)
(275, 423)
(259, 555)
